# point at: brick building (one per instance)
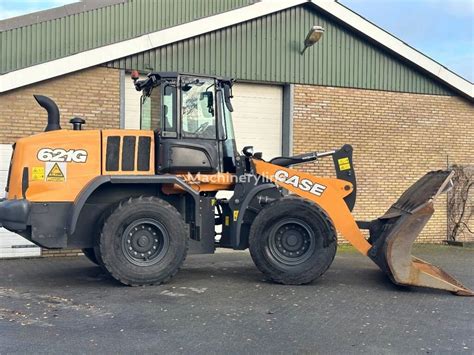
(403, 113)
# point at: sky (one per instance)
(441, 29)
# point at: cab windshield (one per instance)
(197, 108)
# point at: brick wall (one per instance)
(93, 94)
(397, 137)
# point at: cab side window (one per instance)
(169, 114)
(150, 111)
(158, 112)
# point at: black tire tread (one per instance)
(303, 278)
(106, 214)
(129, 202)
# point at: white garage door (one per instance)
(257, 119)
(12, 245)
(257, 115)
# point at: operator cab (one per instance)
(191, 118)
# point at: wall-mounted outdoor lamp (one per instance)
(313, 36)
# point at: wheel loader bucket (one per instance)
(393, 235)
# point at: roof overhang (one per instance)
(97, 56)
(360, 24)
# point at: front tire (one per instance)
(292, 241)
(143, 242)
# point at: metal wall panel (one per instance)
(52, 39)
(267, 49)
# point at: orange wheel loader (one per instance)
(137, 201)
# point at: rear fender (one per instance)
(95, 184)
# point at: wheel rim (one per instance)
(145, 242)
(291, 242)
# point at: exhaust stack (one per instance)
(53, 112)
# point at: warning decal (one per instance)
(56, 172)
(344, 164)
(37, 173)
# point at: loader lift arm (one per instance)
(343, 165)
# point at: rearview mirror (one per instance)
(228, 95)
(208, 97)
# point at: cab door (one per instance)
(187, 137)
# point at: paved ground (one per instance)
(220, 303)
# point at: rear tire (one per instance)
(143, 242)
(90, 254)
(292, 241)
